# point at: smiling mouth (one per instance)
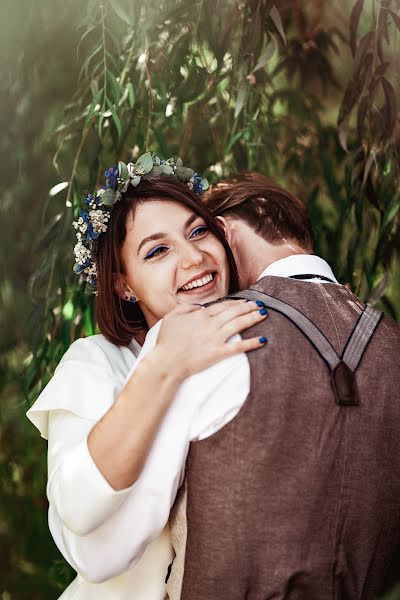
(199, 285)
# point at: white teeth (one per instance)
(198, 282)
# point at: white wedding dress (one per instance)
(86, 383)
(145, 581)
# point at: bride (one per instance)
(150, 249)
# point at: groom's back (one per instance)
(299, 497)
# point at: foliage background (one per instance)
(307, 92)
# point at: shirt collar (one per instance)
(299, 264)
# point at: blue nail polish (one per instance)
(262, 340)
(132, 299)
(260, 303)
(263, 311)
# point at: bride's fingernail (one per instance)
(263, 311)
(262, 340)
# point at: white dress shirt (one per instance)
(87, 517)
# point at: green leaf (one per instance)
(156, 171)
(131, 95)
(89, 30)
(223, 84)
(367, 168)
(396, 18)
(390, 108)
(123, 170)
(277, 21)
(233, 141)
(111, 59)
(184, 173)
(354, 89)
(115, 118)
(241, 99)
(354, 18)
(266, 55)
(145, 162)
(391, 213)
(115, 87)
(88, 60)
(123, 14)
(91, 110)
(108, 198)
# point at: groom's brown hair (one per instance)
(273, 212)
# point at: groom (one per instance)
(292, 480)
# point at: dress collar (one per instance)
(299, 264)
(134, 347)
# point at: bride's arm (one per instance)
(90, 467)
(120, 442)
(119, 540)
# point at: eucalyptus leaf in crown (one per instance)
(96, 211)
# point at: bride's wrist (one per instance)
(162, 361)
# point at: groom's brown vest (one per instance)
(298, 497)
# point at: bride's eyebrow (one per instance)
(159, 235)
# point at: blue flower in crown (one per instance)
(196, 183)
(90, 233)
(97, 208)
(112, 175)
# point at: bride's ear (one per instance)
(227, 227)
(123, 290)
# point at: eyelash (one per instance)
(203, 227)
(159, 250)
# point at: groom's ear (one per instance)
(226, 225)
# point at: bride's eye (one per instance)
(156, 252)
(198, 231)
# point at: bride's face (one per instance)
(170, 257)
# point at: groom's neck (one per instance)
(254, 255)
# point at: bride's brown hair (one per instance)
(120, 320)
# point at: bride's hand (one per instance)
(193, 338)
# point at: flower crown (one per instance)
(96, 211)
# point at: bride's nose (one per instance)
(190, 256)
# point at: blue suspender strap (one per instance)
(342, 369)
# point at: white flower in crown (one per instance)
(135, 172)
